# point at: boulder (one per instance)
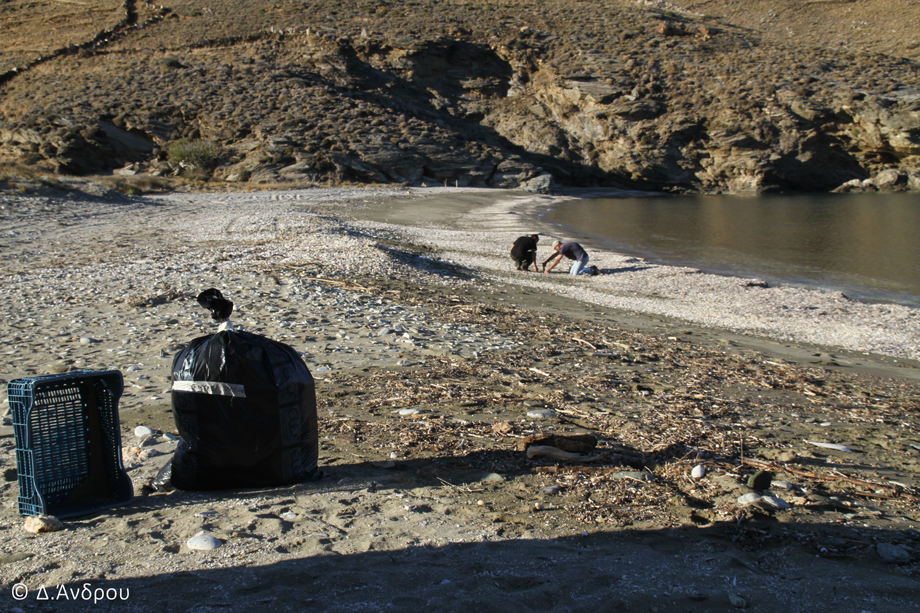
(889, 179)
(542, 184)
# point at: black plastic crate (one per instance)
(68, 443)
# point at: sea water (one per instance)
(865, 245)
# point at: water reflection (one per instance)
(863, 244)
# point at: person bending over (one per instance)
(524, 252)
(572, 251)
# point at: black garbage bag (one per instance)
(245, 408)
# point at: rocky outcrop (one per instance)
(674, 104)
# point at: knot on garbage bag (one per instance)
(214, 301)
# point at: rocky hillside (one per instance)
(712, 96)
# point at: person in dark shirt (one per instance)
(572, 251)
(524, 252)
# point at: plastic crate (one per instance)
(68, 443)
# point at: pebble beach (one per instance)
(382, 289)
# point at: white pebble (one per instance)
(203, 542)
(143, 431)
(749, 499)
(698, 472)
(776, 503)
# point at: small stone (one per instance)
(893, 554)
(492, 478)
(203, 542)
(749, 499)
(541, 414)
(783, 485)
(10, 558)
(86, 340)
(552, 489)
(776, 503)
(698, 472)
(36, 524)
(58, 368)
(410, 411)
(143, 431)
(629, 474)
(760, 480)
(737, 601)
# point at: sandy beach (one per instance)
(436, 363)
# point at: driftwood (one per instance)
(571, 443)
(581, 340)
(558, 454)
(811, 475)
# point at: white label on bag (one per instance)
(210, 387)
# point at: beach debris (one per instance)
(583, 341)
(784, 485)
(893, 554)
(491, 478)
(136, 455)
(143, 431)
(162, 481)
(698, 472)
(634, 475)
(829, 446)
(574, 443)
(410, 412)
(503, 427)
(203, 542)
(36, 524)
(541, 414)
(537, 451)
(833, 477)
(760, 480)
(552, 489)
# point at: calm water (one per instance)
(866, 245)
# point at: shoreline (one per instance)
(739, 305)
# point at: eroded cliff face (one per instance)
(661, 102)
